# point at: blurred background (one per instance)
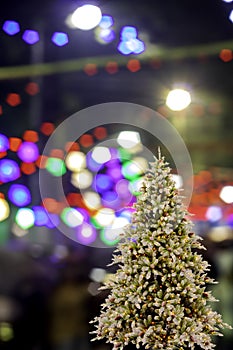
(174, 57)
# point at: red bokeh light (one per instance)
(13, 99)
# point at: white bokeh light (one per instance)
(86, 17)
(101, 155)
(226, 194)
(178, 99)
(128, 139)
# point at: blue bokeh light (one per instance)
(41, 216)
(60, 39)
(102, 182)
(11, 27)
(9, 170)
(128, 33)
(19, 195)
(4, 143)
(107, 35)
(106, 22)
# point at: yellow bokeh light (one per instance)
(75, 161)
(4, 209)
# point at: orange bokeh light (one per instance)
(32, 88)
(90, 69)
(226, 55)
(13, 99)
(133, 65)
(31, 136)
(47, 128)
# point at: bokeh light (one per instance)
(106, 22)
(82, 179)
(101, 155)
(102, 182)
(129, 42)
(214, 213)
(72, 217)
(41, 216)
(226, 194)
(231, 16)
(28, 152)
(4, 143)
(55, 166)
(92, 200)
(11, 27)
(104, 216)
(178, 180)
(128, 139)
(31, 36)
(13, 99)
(9, 170)
(60, 39)
(86, 17)
(178, 99)
(25, 218)
(86, 233)
(4, 209)
(19, 195)
(75, 161)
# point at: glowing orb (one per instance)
(28, 152)
(86, 17)
(4, 143)
(178, 99)
(9, 170)
(25, 218)
(60, 39)
(226, 194)
(19, 195)
(4, 209)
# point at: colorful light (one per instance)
(86, 233)
(25, 218)
(101, 155)
(13, 99)
(110, 199)
(115, 172)
(214, 213)
(75, 161)
(104, 217)
(91, 163)
(55, 166)
(71, 217)
(128, 139)
(19, 195)
(226, 194)
(11, 27)
(41, 216)
(122, 188)
(60, 39)
(106, 22)
(111, 235)
(9, 170)
(4, 209)
(135, 186)
(106, 36)
(28, 152)
(102, 182)
(131, 170)
(129, 42)
(82, 180)
(92, 200)
(178, 99)
(4, 143)
(86, 17)
(31, 36)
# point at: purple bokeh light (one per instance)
(28, 152)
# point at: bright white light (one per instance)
(75, 161)
(178, 180)
(178, 99)
(214, 213)
(231, 16)
(101, 155)
(97, 274)
(128, 139)
(86, 17)
(227, 0)
(4, 209)
(92, 200)
(82, 180)
(142, 163)
(226, 194)
(105, 217)
(25, 218)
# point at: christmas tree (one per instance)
(158, 297)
